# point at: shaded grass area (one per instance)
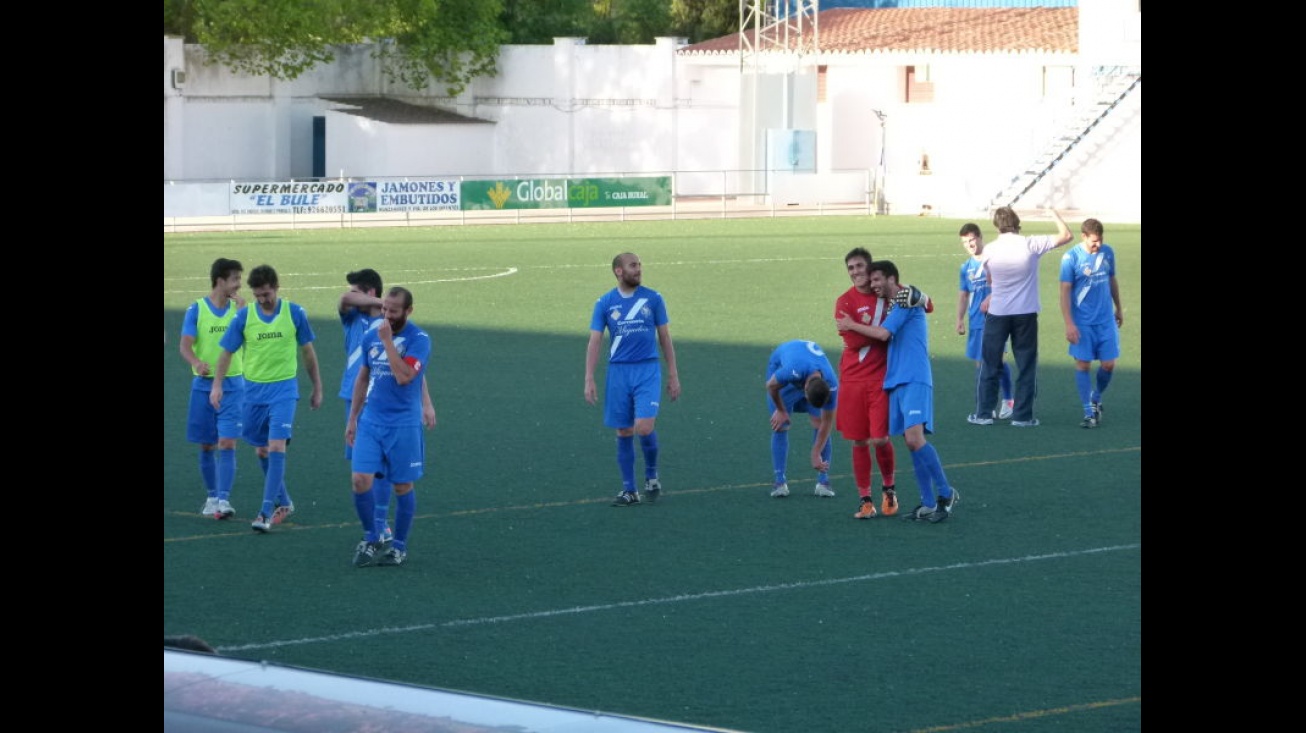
(718, 606)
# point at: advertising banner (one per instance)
(594, 192)
(564, 193)
(427, 194)
(539, 193)
(309, 197)
(446, 194)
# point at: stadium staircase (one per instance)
(1114, 85)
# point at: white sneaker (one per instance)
(980, 419)
(1008, 407)
(225, 510)
(780, 491)
(823, 490)
(210, 506)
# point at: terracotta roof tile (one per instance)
(951, 30)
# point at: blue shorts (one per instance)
(975, 343)
(205, 426)
(795, 400)
(269, 422)
(911, 404)
(1097, 343)
(631, 392)
(396, 454)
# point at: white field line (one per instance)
(683, 598)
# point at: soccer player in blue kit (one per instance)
(799, 378)
(1090, 306)
(909, 380)
(385, 426)
(637, 323)
(360, 313)
(973, 289)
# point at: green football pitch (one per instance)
(717, 606)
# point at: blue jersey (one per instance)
(909, 348)
(266, 393)
(632, 323)
(388, 402)
(1090, 290)
(357, 325)
(794, 361)
(971, 279)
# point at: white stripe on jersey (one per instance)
(639, 306)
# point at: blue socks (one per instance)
(827, 450)
(1005, 381)
(1083, 385)
(282, 496)
(923, 479)
(626, 461)
(779, 453)
(207, 468)
(649, 444)
(226, 472)
(381, 489)
(929, 473)
(930, 457)
(274, 483)
(1084, 382)
(405, 511)
(365, 506)
(1103, 379)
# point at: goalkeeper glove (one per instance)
(909, 296)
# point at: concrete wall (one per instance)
(572, 108)
(357, 147)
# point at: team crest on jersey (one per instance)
(866, 318)
(378, 350)
(614, 313)
(1088, 271)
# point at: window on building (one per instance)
(919, 86)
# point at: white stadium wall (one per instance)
(573, 108)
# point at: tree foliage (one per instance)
(629, 21)
(701, 20)
(445, 41)
(420, 42)
(540, 21)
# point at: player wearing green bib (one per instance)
(271, 330)
(206, 320)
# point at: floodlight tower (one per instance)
(784, 30)
(776, 37)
